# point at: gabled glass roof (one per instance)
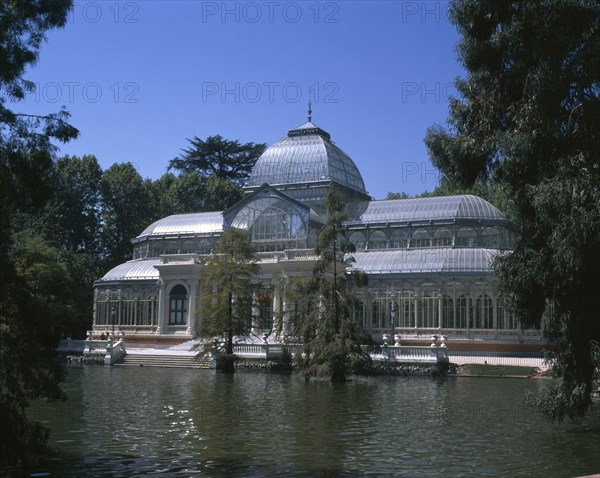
(134, 270)
(197, 223)
(423, 209)
(416, 261)
(306, 155)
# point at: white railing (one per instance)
(405, 353)
(396, 353)
(250, 350)
(491, 358)
(114, 351)
(291, 255)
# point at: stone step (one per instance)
(167, 361)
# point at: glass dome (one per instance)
(307, 155)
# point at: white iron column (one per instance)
(255, 312)
(276, 311)
(286, 319)
(440, 309)
(161, 307)
(468, 306)
(191, 316)
(495, 313)
(416, 311)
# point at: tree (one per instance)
(75, 206)
(391, 195)
(126, 211)
(178, 194)
(27, 331)
(220, 194)
(330, 337)
(527, 119)
(228, 295)
(225, 159)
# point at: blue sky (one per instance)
(141, 77)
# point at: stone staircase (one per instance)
(165, 361)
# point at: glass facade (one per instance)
(428, 260)
(274, 224)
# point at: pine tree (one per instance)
(330, 337)
(527, 119)
(228, 296)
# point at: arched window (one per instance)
(448, 312)
(406, 310)
(398, 240)
(101, 309)
(442, 237)
(265, 312)
(177, 305)
(464, 306)
(204, 246)
(466, 237)
(484, 312)
(377, 313)
(312, 239)
(187, 247)
(428, 311)
(377, 240)
(420, 238)
(359, 240)
(128, 306)
(171, 247)
(358, 312)
(490, 237)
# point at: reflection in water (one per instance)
(126, 421)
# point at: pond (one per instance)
(127, 421)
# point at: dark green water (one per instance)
(122, 421)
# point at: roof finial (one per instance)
(309, 110)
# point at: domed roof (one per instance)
(425, 261)
(306, 155)
(196, 223)
(133, 270)
(424, 209)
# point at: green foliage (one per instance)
(220, 193)
(331, 338)
(32, 280)
(228, 295)
(527, 121)
(181, 194)
(33, 312)
(225, 159)
(402, 195)
(126, 211)
(74, 209)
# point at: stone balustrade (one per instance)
(114, 351)
(395, 353)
